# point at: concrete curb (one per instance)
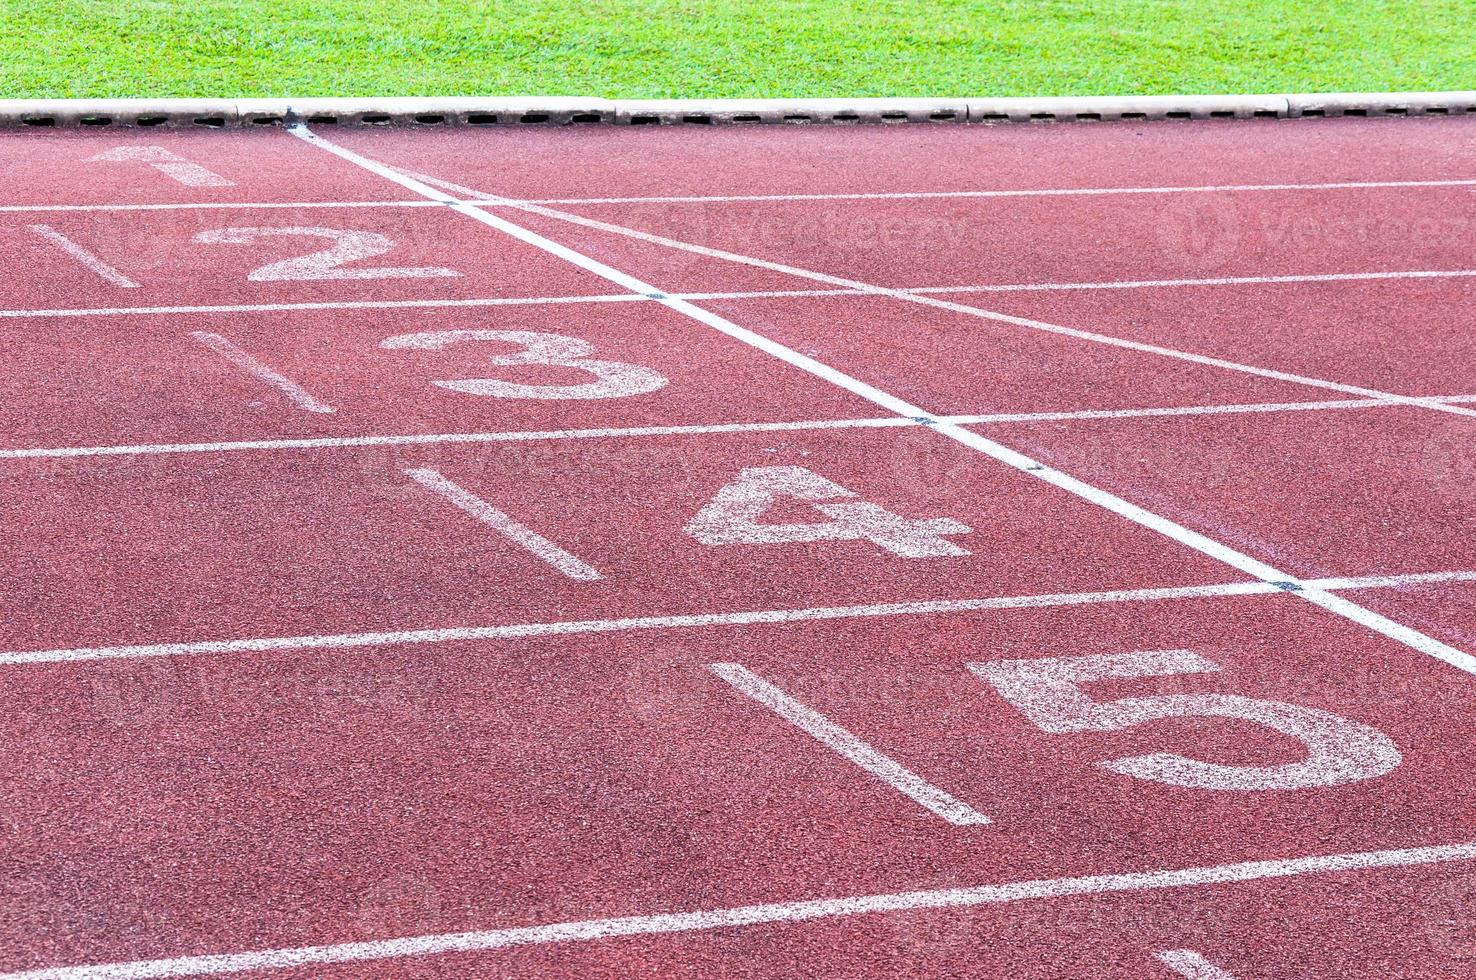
(423, 112)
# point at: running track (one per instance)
(1038, 552)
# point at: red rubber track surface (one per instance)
(268, 689)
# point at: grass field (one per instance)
(715, 48)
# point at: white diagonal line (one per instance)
(849, 747)
(1187, 963)
(916, 296)
(100, 268)
(521, 535)
(290, 389)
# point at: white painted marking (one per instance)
(168, 163)
(92, 262)
(289, 388)
(348, 246)
(1223, 281)
(750, 294)
(613, 379)
(1170, 411)
(998, 451)
(927, 300)
(806, 910)
(1188, 963)
(849, 747)
(1391, 581)
(515, 631)
(886, 422)
(218, 206)
(1049, 692)
(733, 516)
(528, 630)
(520, 534)
(738, 198)
(372, 304)
(349, 442)
(1026, 192)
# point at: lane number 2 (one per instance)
(348, 246)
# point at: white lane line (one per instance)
(1391, 581)
(376, 304)
(1223, 281)
(881, 422)
(289, 388)
(1240, 408)
(805, 910)
(440, 438)
(215, 206)
(393, 304)
(1188, 963)
(519, 631)
(718, 199)
(86, 258)
(849, 747)
(915, 296)
(1096, 495)
(522, 535)
(1025, 192)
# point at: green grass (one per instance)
(728, 48)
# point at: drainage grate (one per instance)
(217, 114)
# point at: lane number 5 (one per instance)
(1049, 693)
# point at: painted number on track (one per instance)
(732, 517)
(167, 162)
(328, 263)
(612, 379)
(1049, 693)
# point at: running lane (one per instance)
(581, 164)
(1413, 336)
(389, 371)
(421, 790)
(154, 549)
(1337, 493)
(61, 170)
(129, 259)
